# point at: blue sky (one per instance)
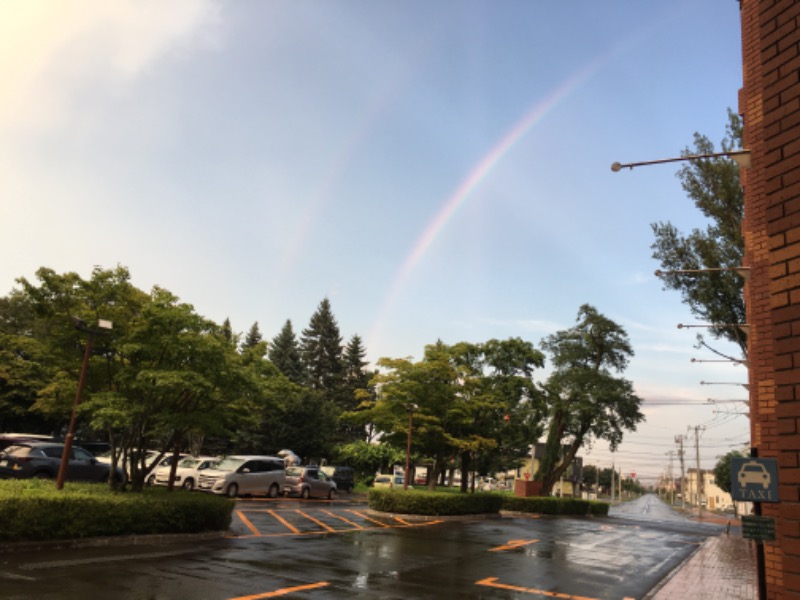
(437, 170)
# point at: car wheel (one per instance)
(188, 484)
(332, 494)
(41, 475)
(305, 493)
(151, 480)
(232, 491)
(273, 491)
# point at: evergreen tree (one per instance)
(321, 350)
(356, 388)
(253, 337)
(227, 332)
(284, 353)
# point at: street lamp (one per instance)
(411, 408)
(103, 326)
(742, 158)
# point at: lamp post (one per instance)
(742, 158)
(102, 327)
(411, 408)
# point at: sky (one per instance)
(437, 170)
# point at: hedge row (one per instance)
(36, 511)
(417, 502)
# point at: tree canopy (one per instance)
(714, 296)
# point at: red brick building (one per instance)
(769, 102)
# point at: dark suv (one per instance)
(344, 477)
(43, 459)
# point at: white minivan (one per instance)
(245, 476)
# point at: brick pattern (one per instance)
(769, 102)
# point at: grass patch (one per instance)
(33, 510)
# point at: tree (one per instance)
(356, 387)
(284, 353)
(713, 185)
(587, 401)
(321, 350)
(253, 337)
(722, 470)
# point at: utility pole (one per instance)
(671, 479)
(679, 440)
(613, 473)
(700, 486)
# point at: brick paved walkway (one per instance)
(724, 568)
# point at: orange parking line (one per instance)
(341, 518)
(363, 516)
(317, 521)
(513, 544)
(284, 521)
(492, 582)
(283, 592)
(247, 522)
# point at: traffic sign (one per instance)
(754, 479)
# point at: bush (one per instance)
(416, 502)
(550, 505)
(33, 510)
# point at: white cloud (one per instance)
(50, 50)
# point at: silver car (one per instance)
(309, 481)
(245, 476)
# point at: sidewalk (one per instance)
(724, 568)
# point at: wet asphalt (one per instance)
(320, 549)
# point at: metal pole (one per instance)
(761, 566)
(408, 447)
(62, 468)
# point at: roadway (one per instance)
(320, 549)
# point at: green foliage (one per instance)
(321, 350)
(34, 510)
(587, 399)
(550, 505)
(284, 353)
(713, 185)
(416, 502)
(722, 470)
(367, 458)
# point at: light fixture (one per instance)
(721, 360)
(744, 385)
(744, 327)
(743, 272)
(742, 158)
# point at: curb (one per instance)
(158, 539)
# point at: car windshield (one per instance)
(229, 464)
(189, 462)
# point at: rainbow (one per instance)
(473, 180)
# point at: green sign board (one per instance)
(760, 529)
(754, 479)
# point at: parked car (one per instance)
(245, 475)
(388, 481)
(43, 459)
(344, 477)
(11, 439)
(309, 481)
(187, 471)
(166, 461)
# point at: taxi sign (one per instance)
(754, 479)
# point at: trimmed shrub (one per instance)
(417, 502)
(34, 510)
(551, 505)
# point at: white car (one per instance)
(187, 471)
(245, 476)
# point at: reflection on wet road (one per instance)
(339, 549)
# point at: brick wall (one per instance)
(769, 102)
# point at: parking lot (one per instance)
(321, 549)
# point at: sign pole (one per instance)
(761, 568)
